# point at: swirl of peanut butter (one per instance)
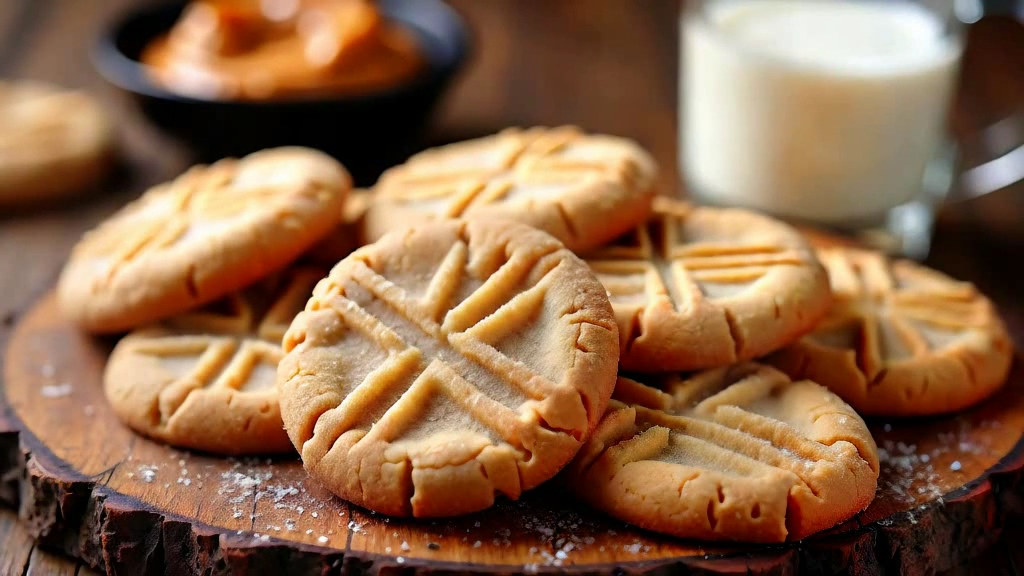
(275, 49)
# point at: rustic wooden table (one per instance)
(609, 66)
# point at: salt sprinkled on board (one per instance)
(276, 493)
(148, 473)
(56, 391)
(909, 474)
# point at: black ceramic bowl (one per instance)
(368, 133)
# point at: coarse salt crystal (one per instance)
(55, 391)
(148, 473)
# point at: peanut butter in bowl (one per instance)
(282, 49)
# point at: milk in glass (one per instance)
(826, 111)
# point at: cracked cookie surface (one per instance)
(699, 287)
(447, 364)
(738, 453)
(584, 189)
(205, 380)
(55, 142)
(901, 339)
(211, 231)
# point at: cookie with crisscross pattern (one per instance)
(901, 339)
(211, 231)
(205, 379)
(584, 189)
(698, 287)
(737, 453)
(447, 364)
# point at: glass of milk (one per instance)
(828, 112)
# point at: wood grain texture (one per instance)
(16, 544)
(128, 505)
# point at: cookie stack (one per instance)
(521, 307)
(201, 271)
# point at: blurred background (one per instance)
(609, 66)
(605, 65)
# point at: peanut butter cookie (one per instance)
(213, 230)
(583, 189)
(447, 364)
(205, 380)
(737, 453)
(699, 288)
(55, 143)
(347, 235)
(901, 339)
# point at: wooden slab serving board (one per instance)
(86, 485)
